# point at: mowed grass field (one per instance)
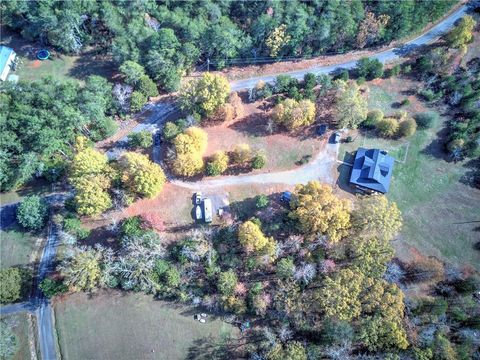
(16, 247)
(114, 325)
(440, 211)
(18, 323)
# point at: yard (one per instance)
(19, 324)
(440, 212)
(16, 247)
(115, 325)
(58, 66)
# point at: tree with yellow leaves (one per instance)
(339, 295)
(218, 163)
(241, 154)
(375, 215)
(294, 114)
(140, 175)
(189, 148)
(253, 240)
(461, 34)
(83, 271)
(277, 39)
(91, 195)
(91, 177)
(351, 107)
(204, 95)
(318, 211)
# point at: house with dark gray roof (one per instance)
(372, 171)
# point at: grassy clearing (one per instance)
(19, 325)
(58, 66)
(131, 326)
(16, 247)
(35, 187)
(438, 210)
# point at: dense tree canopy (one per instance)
(167, 38)
(294, 114)
(319, 212)
(351, 106)
(32, 212)
(39, 122)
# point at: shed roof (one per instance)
(5, 53)
(372, 169)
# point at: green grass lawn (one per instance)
(16, 247)
(438, 210)
(19, 324)
(117, 325)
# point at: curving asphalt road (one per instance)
(385, 56)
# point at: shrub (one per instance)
(369, 68)
(137, 101)
(387, 127)
(10, 285)
(425, 120)
(405, 102)
(132, 226)
(32, 213)
(343, 75)
(8, 340)
(227, 281)
(361, 81)
(171, 130)
(427, 94)
(261, 201)
(394, 71)
(373, 117)
(241, 154)
(468, 285)
(142, 139)
(284, 83)
(407, 127)
(147, 87)
(285, 268)
(218, 164)
(73, 225)
(407, 69)
(259, 161)
(52, 287)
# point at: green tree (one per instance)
(351, 107)
(171, 130)
(259, 161)
(137, 101)
(227, 281)
(132, 72)
(461, 34)
(293, 350)
(369, 68)
(32, 212)
(11, 283)
(205, 95)
(147, 87)
(52, 287)
(261, 201)
(140, 175)
(318, 211)
(379, 333)
(285, 268)
(373, 117)
(83, 270)
(142, 139)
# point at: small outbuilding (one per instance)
(7, 58)
(207, 210)
(372, 171)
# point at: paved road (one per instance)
(385, 56)
(318, 169)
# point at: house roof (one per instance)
(5, 53)
(372, 169)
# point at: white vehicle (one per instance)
(198, 212)
(198, 198)
(207, 210)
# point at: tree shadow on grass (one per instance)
(209, 348)
(90, 64)
(472, 175)
(436, 148)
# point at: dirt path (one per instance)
(321, 168)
